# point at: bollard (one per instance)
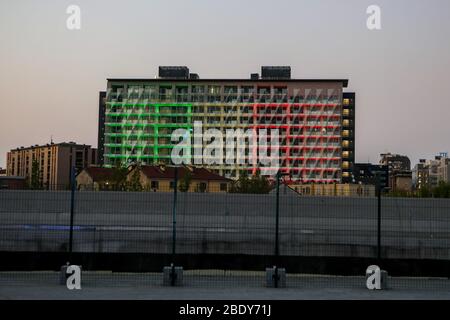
(276, 277)
(376, 279)
(173, 276)
(63, 275)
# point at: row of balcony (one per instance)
(232, 98)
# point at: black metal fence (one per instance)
(223, 239)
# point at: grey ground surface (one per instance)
(212, 286)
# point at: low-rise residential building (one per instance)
(190, 179)
(402, 181)
(335, 190)
(95, 179)
(12, 182)
(152, 178)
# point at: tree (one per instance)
(442, 190)
(35, 182)
(424, 192)
(255, 184)
(185, 182)
(119, 178)
(260, 184)
(135, 182)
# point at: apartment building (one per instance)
(368, 173)
(429, 172)
(314, 118)
(399, 168)
(50, 164)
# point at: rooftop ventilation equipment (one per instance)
(173, 72)
(275, 72)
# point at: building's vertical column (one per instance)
(156, 134)
(288, 117)
(254, 137)
(190, 126)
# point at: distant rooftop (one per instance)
(71, 143)
(159, 172)
(268, 74)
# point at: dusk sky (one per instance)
(50, 76)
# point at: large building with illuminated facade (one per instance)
(314, 117)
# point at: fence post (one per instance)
(277, 216)
(277, 226)
(72, 206)
(174, 230)
(379, 223)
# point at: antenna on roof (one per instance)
(51, 139)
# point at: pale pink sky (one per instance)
(50, 76)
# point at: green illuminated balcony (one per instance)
(138, 135)
(122, 104)
(168, 125)
(140, 115)
(124, 156)
(118, 145)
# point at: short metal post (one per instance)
(379, 224)
(72, 206)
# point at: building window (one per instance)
(223, 187)
(201, 187)
(155, 185)
(346, 102)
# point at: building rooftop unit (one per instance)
(276, 72)
(173, 72)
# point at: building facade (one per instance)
(335, 190)
(348, 136)
(400, 174)
(316, 132)
(153, 178)
(12, 183)
(190, 179)
(49, 165)
(368, 173)
(444, 168)
(428, 173)
(95, 179)
(101, 127)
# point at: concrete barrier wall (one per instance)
(224, 224)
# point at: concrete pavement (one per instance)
(104, 285)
